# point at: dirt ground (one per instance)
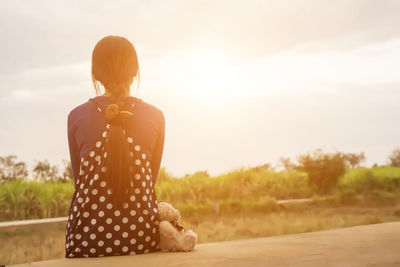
(369, 245)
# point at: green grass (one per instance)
(241, 189)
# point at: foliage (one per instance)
(10, 169)
(324, 169)
(43, 171)
(394, 158)
(353, 159)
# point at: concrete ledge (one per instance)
(370, 245)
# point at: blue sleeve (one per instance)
(158, 150)
(73, 148)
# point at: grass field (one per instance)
(240, 204)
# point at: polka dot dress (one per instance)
(95, 226)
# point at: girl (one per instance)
(116, 143)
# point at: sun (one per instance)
(207, 75)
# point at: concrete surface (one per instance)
(370, 245)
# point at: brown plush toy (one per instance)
(172, 234)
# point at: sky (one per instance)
(240, 83)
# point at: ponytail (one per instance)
(118, 158)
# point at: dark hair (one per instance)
(115, 65)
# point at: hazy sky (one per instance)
(241, 83)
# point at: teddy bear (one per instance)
(173, 236)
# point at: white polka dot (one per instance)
(133, 227)
(137, 176)
(77, 250)
(85, 163)
(141, 233)
(87, 199)
(124, 220)
(137, 190)
(140, 246)
(100, 243)
(98, 144)
(91, 167)
(109, 206)
(108, 235)
(143, 156)
(91, 182)
(147, 163)
(85, 191)
(153, 243)
(147, 225)
(93, 221)
(92, 236)
(81, 172)
(92, 250)
(140, 219)
(79, 222)
(108, 250)
(155, 210)
(109, 191)
(137, 147)
(148, 191)
(91, 153)
(105, 154)
(125, 234)
(129, 139)
(104, 133)
(147, 177)
(104, 169)
(80, 200)
(116, 227)
(94, 191)
(117, 242)
(154, 230)
(117, 213)
(132, 241)
(94, 206)
(142, 169)
(101, 228)
(103, 184)
(145, 212)
(71, 242)
(102, 198)
(125, 249)
(132, 198)
(131, 154)
(101, 213)
(85, 229)
(125, 205)
(144, 184)
(133, 212)
(138, 205)
(147, 238)
(137, 162)
(84, 243)
(78, 236)
(96, 176)
(109, 221)
(86, 214)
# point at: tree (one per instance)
(394, 158)
(323, 169)
(10, 169)
(287, 164)
(353, 159)
(43, 171)
(266, 166)
(67, 173)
